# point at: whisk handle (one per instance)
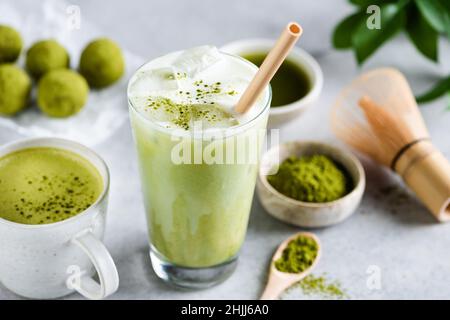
(427, 172)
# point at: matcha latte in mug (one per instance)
(198, 160)
(53, 196)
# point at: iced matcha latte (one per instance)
(198, 160)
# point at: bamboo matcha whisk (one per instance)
(378, 115)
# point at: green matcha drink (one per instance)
(197, 184)
(289, 84)
(45, 185)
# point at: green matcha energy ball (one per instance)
(62, 93)
(102, 63)
(15, 87)
(44, 56)
(10, 44)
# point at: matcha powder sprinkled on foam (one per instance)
(298, 255)
(315, 178)
(183, 115)
(198, 104)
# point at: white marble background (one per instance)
(391, 231)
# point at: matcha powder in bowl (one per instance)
(315, 178)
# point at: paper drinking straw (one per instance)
(269, 67)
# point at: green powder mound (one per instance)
(44, 56)
(46, 185)
(15, 87)
(298, 255)
(314, 178)
(10, 44)
(320, 286)
(102, 63)
(62, 93)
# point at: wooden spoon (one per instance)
(280, 281)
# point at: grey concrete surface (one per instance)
(392, 231)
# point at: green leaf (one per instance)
(366, 3)
(342, 35)
(437, 15)
(366, 41)
(424, 37)
(446, 4)
(448, 99)
(436, 91)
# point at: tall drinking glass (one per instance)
(197, 212)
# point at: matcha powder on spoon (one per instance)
(298, 255)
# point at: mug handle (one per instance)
(104, 265)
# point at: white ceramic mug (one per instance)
(52, 260)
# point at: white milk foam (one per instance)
(200, 81)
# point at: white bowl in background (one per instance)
(283, 114)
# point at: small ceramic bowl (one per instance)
(283, 114)
(307, 214)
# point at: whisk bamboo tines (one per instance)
(387, 129)
(377, 115)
